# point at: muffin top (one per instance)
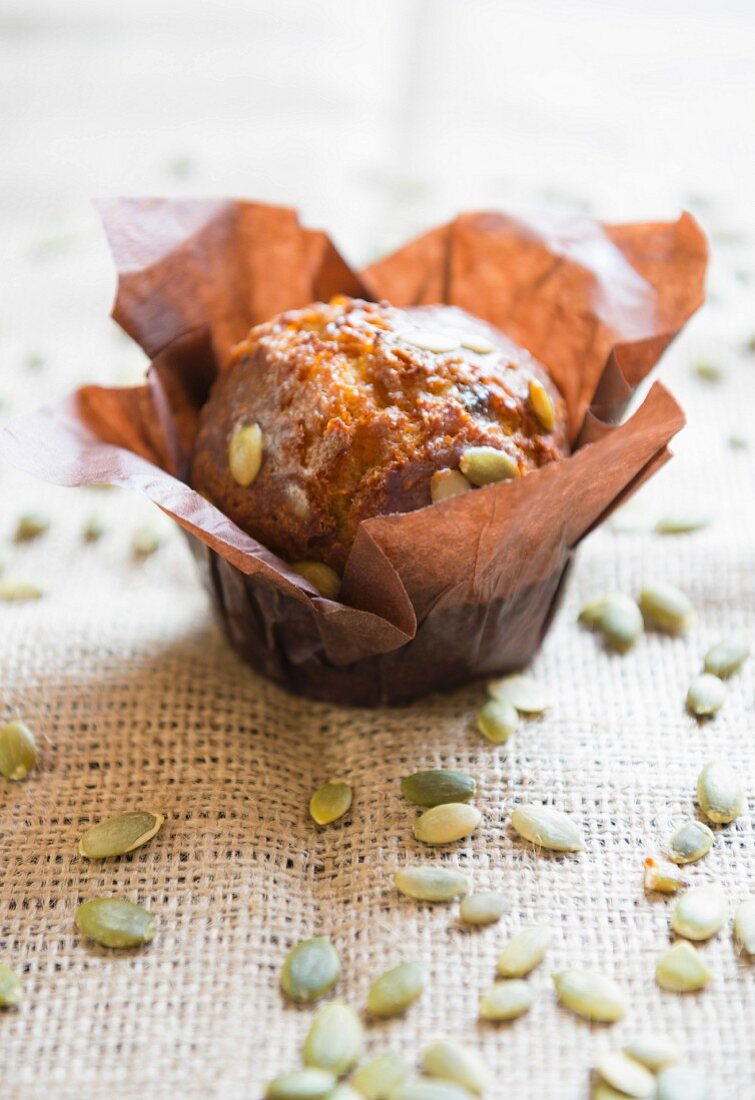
(338, 412)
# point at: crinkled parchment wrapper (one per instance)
(433, 597)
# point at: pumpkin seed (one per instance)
(310, 969)
(428, 1088)
(592, 612)
(681, 970)
(547, 827)
(486, 465)
(705, 695)
(497, 720)
(677, 1083)
(445, 484)
(301, 1084)
(542, 405)
(31, 526)
(431, 883)
(699, 912)
(523, 692)
(450, 1061)
(94, 529)
(334, 1039)
(744, 925)
(602, 1091)
(18, 750)
(719, 792)
(115, 922)
(344, 1091)
(245, 454)
(436, 342)
(395, 990)
(653, 1052)
(330, 801)
(12, 591)
(666, 608)
(377, 1079)
(621, 623)
(11, 987)
(727, 657)
(690, 842)
(146, 541)
(626, 1075)
(709, 372)
(447, 823)
(473, 341)
(120, 834)
(438, 786)
(590, 995)
(483, 908)
(663, 878)
(506, 1000)
(681, 523)
(524, 952)
(321, 576)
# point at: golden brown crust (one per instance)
(356, 417)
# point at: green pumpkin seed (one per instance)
(450, 1061)
(483, 908)
(626, 1075)
(115, 922)
(691, 842)
(11, 987)
(681, 970)
(93, 530)
(524, 952)
(524, 693)
(120, 834)
(590, 995)
(709, 372)
(547, 827)
(744, 925)
(506, 1000)
(666, 608)
(31, 526)
(18, 750)
(377, 1079)
(700, 912)
(653, 1052)
(497, 720)
(301, 1084)
(706, 695)
(677, 1083)
(542, 405)
(429, 1088)
(395, 990)
(330, 801)
(146, 541)
(663, 878)
(592, 612)
(310, 969)
(719, 792)
(681, 523)
(334, 1039)
(727, 657)
(245, 454)
(621, 623)
(17, 591)
(321, 576)
(447, 823)
(438, 786)
(431, 883)
(486, 465)
(445, 484)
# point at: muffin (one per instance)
(334, 413)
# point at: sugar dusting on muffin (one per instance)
(358, 405)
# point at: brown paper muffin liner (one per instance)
(430, 598)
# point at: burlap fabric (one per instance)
(137, 700)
